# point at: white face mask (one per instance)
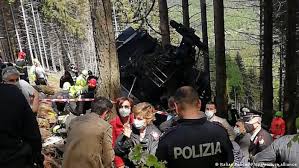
(139, 123)
(209, 114)
(124, 112)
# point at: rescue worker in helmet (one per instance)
(81, 82)
(82, 78)
(89, 93)
(91, 76)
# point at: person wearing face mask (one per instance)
(172, 116)
(124, 116)
(89, 140)
(242, 138)
(283, 150)
(142, 132)
(194, 141)
(210, 113)
(10, 75)
(260, 139)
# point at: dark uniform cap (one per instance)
(247, 114)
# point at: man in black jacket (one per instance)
(194, 141)
(20, 138)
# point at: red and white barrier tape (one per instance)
(66, 100)
(70, 100)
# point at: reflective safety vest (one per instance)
(81, 81)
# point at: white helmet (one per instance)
(66, 86)
(85, 72)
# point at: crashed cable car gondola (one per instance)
(150, 73)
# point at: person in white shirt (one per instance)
(40, 74)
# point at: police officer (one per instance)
(260, 139)
(194, 141)
(283, 151)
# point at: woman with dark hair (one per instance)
(124, 116)
(67, 77)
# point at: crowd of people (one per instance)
(184, 136)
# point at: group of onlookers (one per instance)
(182, 136)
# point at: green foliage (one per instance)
(294, 140)
(144, 160)
(67, 13)
(134, 12)
(234, 77)
(10, 1)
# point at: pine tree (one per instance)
(221, 89)
(108, 68)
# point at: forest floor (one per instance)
(53, 79)
(47, 119)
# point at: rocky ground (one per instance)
(47, 119)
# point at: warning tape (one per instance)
(66, 100)
(70, 100)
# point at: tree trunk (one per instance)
(65, 55)
(115, 21)
(43, 41)
(261, 52)
(297, 58)
(37, 36)
(27, 30)
(52, 57)
(203, 6)
(267, 63)
(290, 75)
(185, 6)
(108, 68)
(16, 29)
(7, 33)
(221, 90)
(164, 22)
